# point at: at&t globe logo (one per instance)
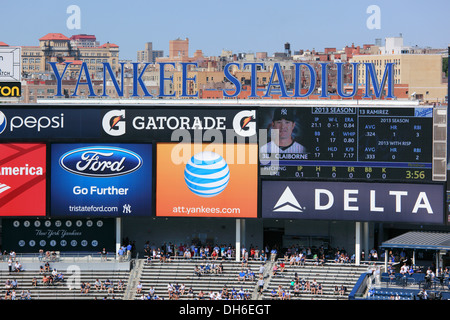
(2, 122)
(207, 174)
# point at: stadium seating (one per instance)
(69, 289)
(159, 275)
(330, 275)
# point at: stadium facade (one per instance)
(82, 175)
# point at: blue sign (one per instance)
(101, 180)
(139, 70)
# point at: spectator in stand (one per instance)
(319, 289)
(151, 292)
(273, 294)
(296, 288)
(82, 288)
(139, 288)
(241, 276)
(342, 290)
(120, 285)
(404, 269)
(313, 286)
(197, 271)
(104, 254)
(41, 255)
(18, 266)
(98, 285)
(260, 284)
(190, 293)
(273, 254)
(282, 266)
(110, 287)
(322, 260)
(275, 269)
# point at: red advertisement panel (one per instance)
(22, 179)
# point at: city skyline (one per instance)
(247, 26)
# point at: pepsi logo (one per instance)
(207, 174)
(2, 122)
(101, 161)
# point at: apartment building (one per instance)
(56, 47)
(148, 55)
(421, 72)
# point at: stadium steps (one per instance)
(159, 275)
(69, 289)
(329, 275)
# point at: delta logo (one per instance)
(214, 180)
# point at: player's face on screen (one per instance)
(285, 129)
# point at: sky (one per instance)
(247, 26)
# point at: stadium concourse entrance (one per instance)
(353, 237)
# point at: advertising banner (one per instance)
(214, 180)
(101, 180)
(10, 63)
(138, 124)
(31, 235)
(23, 179)
(174, 125)
(51, 123)
(383, 202)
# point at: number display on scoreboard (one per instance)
(366, 143)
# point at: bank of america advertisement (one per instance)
(101, 180)
(23, 170)
(355, 201)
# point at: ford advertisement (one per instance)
(101, 180)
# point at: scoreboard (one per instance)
(361, 143)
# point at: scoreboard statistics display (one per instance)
(361, 143)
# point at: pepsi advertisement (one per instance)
(101, 180)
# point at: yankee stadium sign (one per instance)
(276, 79)
(356, 201)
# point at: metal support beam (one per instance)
(357, 243)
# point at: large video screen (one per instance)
(340, 142)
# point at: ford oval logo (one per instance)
(100, 161)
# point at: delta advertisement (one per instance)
(101, 180)
(212, 180)
(23, 179)
(31, 235)
(354, 201)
